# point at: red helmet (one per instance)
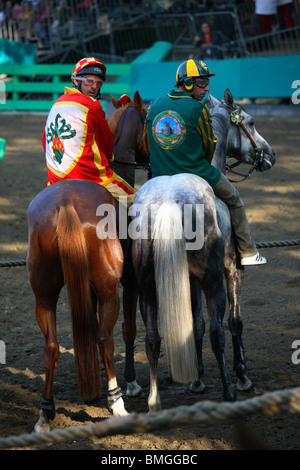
(89, 65)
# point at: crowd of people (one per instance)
(28, 20)
(40, 20)
(268, 16)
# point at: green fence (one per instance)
(36, 87)
(255, 77)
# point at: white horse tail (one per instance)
(173, 292)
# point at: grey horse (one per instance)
(181, 251)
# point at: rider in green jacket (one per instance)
(180, 139)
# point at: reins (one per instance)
(237, 118)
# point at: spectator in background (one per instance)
(65, 20)
(8, 14)
(2, 19)
(17, 10)
(26, 20)
(104, 22)
(38, 29)
(284, 12)
(266, 11)
(209, 43)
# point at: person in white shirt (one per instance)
(266, 10)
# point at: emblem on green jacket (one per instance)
(168, 129)
(55, 133)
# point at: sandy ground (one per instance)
(270, 308)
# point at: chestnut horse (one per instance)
(65, 248)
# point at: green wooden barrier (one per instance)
(37, 81)
(253, 77)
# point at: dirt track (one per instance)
(270, 307)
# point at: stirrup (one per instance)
(253, 260)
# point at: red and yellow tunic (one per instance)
(77, 140)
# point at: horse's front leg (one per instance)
(199, 329)
(234, 286)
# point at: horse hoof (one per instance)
(246, 386)
(133, 389)
(154, 405)
(43, 424)
(155, 408)
(197, 387)
(118, 408)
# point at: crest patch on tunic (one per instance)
(168, 129)
(55, 133)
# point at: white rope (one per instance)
(206, 411)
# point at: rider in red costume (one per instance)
(77, 139)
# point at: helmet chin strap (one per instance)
(189, 90)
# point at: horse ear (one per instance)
(115, 102)
(138, 101)
(228, 98)
(213, 101)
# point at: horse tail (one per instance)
(75, 265)
(173, 292)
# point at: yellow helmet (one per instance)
(191, 69)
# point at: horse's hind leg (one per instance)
(46, 318)
(199, 329)
(152, 342)
(130, 297)
(216, 304)
(46, 282)
(234, 286)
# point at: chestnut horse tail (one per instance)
(75, 265)
(173, 292)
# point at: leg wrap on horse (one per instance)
(48, 407)
(129, 372)
(113, 396)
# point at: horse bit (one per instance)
(237, 118)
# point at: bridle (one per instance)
(137, 166)
(237, 118)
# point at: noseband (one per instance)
(236, 117)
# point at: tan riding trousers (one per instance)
(230, 195)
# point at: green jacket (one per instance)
(179, 137)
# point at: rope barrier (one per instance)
(278, 243)
(207, 412)
(268, 244)
(9, 264)
(202, 412)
